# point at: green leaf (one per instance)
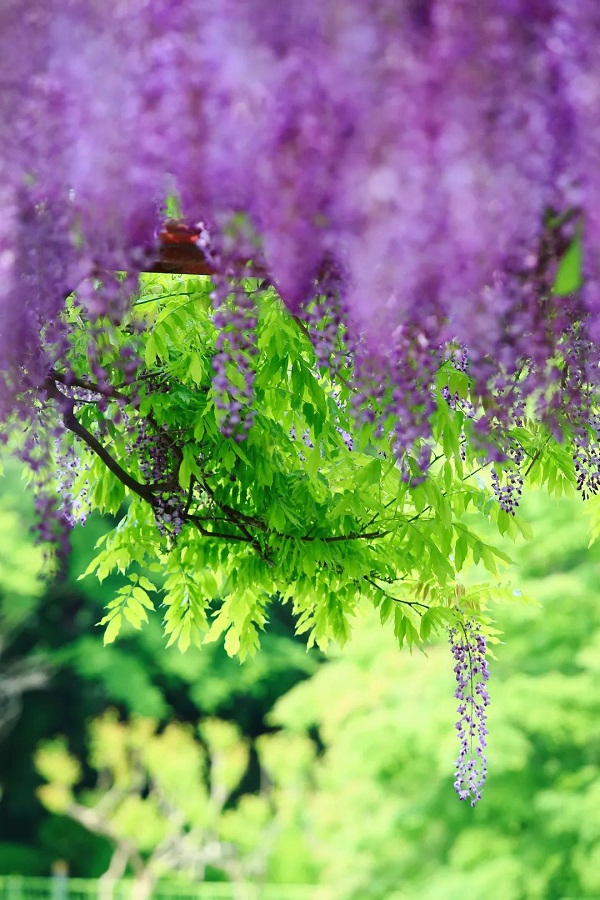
(386, 609)
(232, 642)
(283, 511)
(569, 271)
(426, 625)
(146, 584)
(142, 597)
(196, 369)
(112, 629)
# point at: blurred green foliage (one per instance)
(349, 782)
(20, 561)
(169, 799)
(51, 627)
(383, 814)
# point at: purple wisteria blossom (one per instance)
(421, 167)
(421, 149)
(468, 649)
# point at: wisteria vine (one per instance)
(419, 182)
(468, 646)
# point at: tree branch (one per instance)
(240, 520)
(72, 424)
(103, 390)
(197, 521)
(367, 536)
(412, 603)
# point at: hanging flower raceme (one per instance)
(468, 646)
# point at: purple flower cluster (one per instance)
(159, 467)
(328, 322)
(586, 457)
(74, 506)
(400, 385)
(54, 512)
(441, 155)
(468, 649)
(458, 355)
(509, 493)
(456, 402)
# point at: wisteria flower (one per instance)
(468, 646)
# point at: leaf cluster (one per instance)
(313, 508)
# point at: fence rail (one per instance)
(17, 887)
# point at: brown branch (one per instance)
(197, 521)
(242, 520)
(74, 425)
(235, 517)
(367, 536)
(104, 391)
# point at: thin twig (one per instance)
(412, 603)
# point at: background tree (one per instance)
(57, 638)
(163, 800)
(20, 592)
